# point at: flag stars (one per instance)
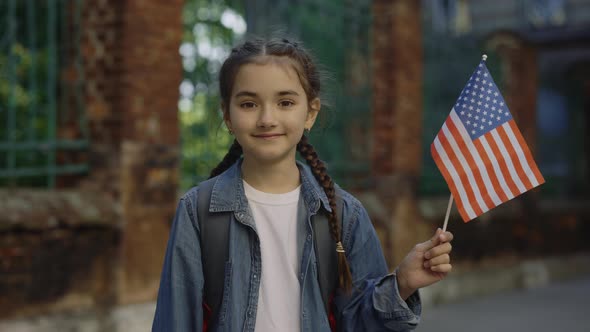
(471, 108)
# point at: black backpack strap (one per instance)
(214, 247)
(325, 248)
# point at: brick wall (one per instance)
(107, 246)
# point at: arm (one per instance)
(375, 303)
(179, 305)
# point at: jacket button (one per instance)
(309, 238)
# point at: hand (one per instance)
(427, 263)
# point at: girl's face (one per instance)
(269, 110)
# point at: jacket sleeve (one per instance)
(179, 305)
(374, 303)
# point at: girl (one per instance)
(270, 97)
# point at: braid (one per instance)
(321, 175)
(234, 153)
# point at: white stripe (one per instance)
(496, 167)
(521, 157)
(476, 157)
(478, 197)
(456, 180)
(506, 155)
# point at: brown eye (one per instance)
(247, 104)
(286, 103)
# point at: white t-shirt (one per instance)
(279, 300)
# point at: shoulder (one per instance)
(350, 208)
(199, 193)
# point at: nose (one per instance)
(266, 118)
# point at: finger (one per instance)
(424, 246)
(444, 268)
(442, 259)
(445, 237)
(441, 249)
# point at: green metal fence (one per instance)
(39, 40)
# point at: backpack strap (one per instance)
(214, 247)
(326, 257)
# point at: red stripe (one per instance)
(503, 166)
(491, 172)
(514, 156)
(527, 152)
(462, 175)
(472, 164)
(450, 182)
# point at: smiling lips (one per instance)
(268, 136)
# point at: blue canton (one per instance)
(480, 106)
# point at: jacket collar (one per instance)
(228, 190)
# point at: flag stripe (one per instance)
(508, 162)
(472, 155)
(486, 150)
(528, 176)
(466, 167)
(459, 194)
(527, 153)
(464, 180)
(441, 166)
(515, 157)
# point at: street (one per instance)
(555, 307)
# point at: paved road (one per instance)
(556, 307)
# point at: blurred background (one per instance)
(109, 111)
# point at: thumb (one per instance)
(432, 242)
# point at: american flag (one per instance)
(480, 151)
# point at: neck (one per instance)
(273, 178)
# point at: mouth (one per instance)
(268, 136)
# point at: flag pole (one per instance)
(448, 213)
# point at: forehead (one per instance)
(269, 76)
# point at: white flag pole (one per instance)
(448, 213)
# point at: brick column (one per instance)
(397, 108)
(151, 72)
(133, 71)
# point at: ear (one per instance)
(314, 108)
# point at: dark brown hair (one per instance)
(258, 50)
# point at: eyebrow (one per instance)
(253, 94)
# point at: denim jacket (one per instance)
(373, 305)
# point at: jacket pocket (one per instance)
(226, 292)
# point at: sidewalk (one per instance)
(554, 307)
